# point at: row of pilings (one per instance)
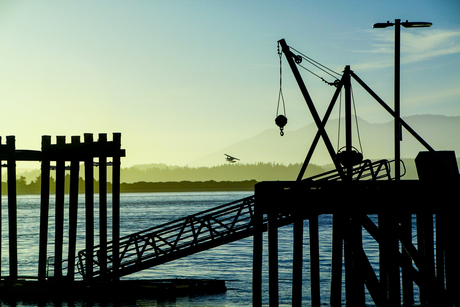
(423, 212)
(89, 154)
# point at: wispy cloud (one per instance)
(435, 43)
(416, 45)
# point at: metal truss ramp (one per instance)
(199, 232)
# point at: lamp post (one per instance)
(397, 128)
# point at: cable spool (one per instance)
(281, 121)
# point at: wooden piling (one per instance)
(389, 260)
(116, 204)
(89, 206)
(383, 256)
(44, 206)
(336, 261)
(394, 277)
(59, 207)
(297, 261)
(12, 207)
(425, 246)
(103, 206)
(73, 205)
(314, 261)
(406, 275)
(441, 235)
(451, 266)
(273, 287)
(257, 254)
(354, 282)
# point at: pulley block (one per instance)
(298, 59)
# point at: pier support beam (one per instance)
(407, 283)
(12, 207)
(314, 261)
(59, 208)
(336, 261)
(116, 204)
(103, 208)
(273, 287)
(425, 246)
(257, 254)
(297, 262)
(89, 208)
(44, 207)
(73, 207)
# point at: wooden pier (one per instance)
(62, 284)
(430, 264)
(55, 156)
(355, 189)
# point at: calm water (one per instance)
(231, 262)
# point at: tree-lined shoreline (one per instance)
(163, 178)
(34, 188)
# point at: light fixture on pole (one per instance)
(398, 132)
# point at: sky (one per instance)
(182, 79)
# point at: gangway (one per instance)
(202, 231)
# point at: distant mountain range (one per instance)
(376, 139)
(268, 156)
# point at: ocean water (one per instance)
(231, 262)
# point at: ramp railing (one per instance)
(197, 232)
(176, 239)
(367, 170)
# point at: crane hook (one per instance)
(281, 121)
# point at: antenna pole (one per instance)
(397, 105)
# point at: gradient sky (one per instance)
(181, 79)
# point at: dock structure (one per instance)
(355, 189)
(54, 157)
(99, 274)
(430, 264)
